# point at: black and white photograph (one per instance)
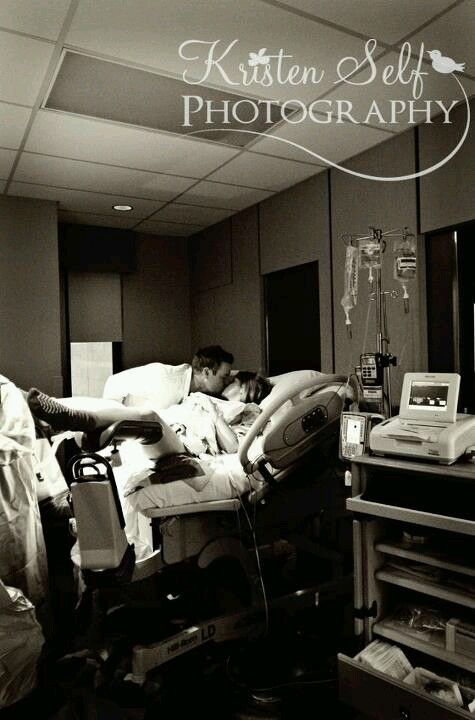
(237, 359)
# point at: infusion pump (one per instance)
(355, 428)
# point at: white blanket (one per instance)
(223, 479)
(198, 428)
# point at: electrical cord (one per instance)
(258, 561)
(277, 686)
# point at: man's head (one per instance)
(211, 369)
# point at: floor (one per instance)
(289, 674)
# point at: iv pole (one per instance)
(379, 296)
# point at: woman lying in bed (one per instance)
(200, 424)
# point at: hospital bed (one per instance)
(198, 524)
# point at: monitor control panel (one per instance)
(354, 433)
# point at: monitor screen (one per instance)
(428, 395)
(354, 430)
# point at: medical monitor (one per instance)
(430, 397)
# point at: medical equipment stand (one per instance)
(377, 379)
(382, 336)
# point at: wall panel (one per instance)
(156, 303)
(447, 194)
(230, 315)
(211, 262)
(30, 346)
(95, 307)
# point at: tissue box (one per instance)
(441, 688)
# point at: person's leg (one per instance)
(61, 417)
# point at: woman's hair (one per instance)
(257, 387)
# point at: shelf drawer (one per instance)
(415, 517)
(382, 697)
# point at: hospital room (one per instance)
(237, 359)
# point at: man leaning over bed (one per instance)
(166, 385)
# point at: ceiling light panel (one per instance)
(89, 86)
(149, 33)
(23, 64)
(384, 20)
(79, 175)
(43, 18)
(79, 138)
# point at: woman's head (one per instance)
(248, 387)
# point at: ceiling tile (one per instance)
(100, 178)
(332, 141)
(264, 172)
(167, 228)
(149, 32)
(43, 18)
(384, 20)
(6, 162)
(436, 86)
(452, 36)
(220, 195)
(23, 64)
(13, 120)
(99, 141)
(193, 214)
(92, 219)
(79, 201)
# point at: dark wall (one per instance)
(156, 303)
(30, 346)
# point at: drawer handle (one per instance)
(365, 612)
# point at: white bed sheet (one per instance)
(224, 478)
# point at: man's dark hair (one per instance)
(211, 357)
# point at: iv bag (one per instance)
(350, 294)
(405, 264)
(369, 253)
(405, 260)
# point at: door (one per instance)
(292, 312)
(451, 306)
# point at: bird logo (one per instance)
(259, 58)
(444, 65)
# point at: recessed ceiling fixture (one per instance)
(122, 208)
(124, 94)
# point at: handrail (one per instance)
(274, 405)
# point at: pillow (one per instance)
(156, 385)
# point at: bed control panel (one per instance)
(303, 426)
